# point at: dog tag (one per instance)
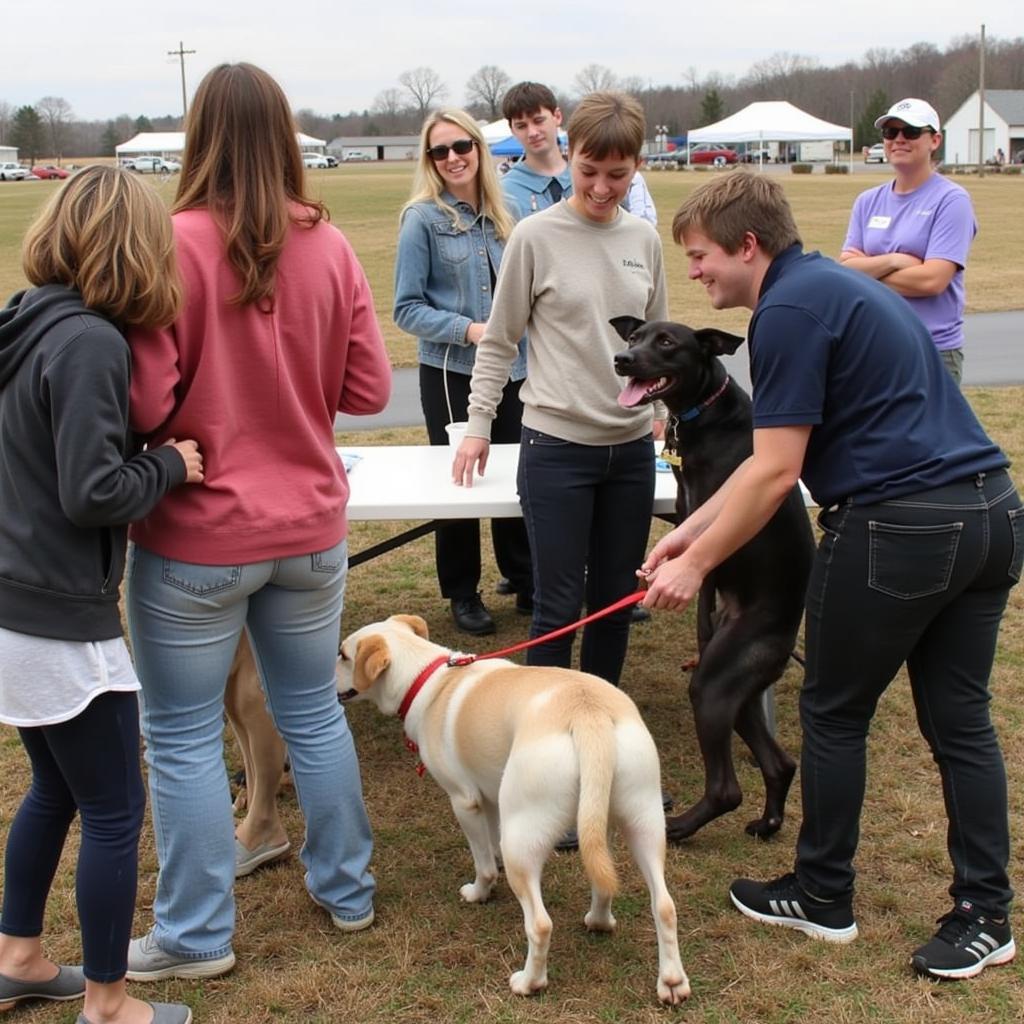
(672, 457)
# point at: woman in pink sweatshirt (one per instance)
(278, 334)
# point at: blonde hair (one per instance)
(737, 203)
(108, 235)
(607, 124)
(428, 184)
(242, 163)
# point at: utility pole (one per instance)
(180, 53)
(981, 106)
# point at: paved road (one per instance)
(994, 355)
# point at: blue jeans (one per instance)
(921, 579)
(90, 764)
(587, 510)
(185, 622)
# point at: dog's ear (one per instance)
(717, 342)
(625, 325)
(415, 623)
(372, 658)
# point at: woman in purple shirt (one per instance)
(913, 233)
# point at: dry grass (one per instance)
(431, 958)
(365, 199)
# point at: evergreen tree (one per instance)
(27, 133)
(711, 108)
(865, 133)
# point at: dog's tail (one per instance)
(594, 739)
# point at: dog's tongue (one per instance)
(634, 392)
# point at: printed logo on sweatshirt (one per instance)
(630, 264)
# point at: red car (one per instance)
(49, 171)
(711, 153)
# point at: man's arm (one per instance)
(753, 494)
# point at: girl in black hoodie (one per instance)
(71, 478)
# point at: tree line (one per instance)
(856, 90)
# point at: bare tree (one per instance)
(485, 89)
(55, 112)
(424, 85)
(594, 78)
(389, 105)
(6, 113)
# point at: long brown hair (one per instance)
(242, 163)
(108, 235)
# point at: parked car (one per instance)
(13, 172)
(666, 158)
(316, 160)
(49, 171)
(714, 154)
(876, 154)
(153, 165)
(356, 156)
(332, 161)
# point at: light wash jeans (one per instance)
(185, 621)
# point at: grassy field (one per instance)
(365, 200)
(431, 959)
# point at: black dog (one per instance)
(744, 642)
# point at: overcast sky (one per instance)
(109, 57)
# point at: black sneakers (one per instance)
(966, 943)
(784, 902)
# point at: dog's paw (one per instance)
(476, 892)
(673, 987)
(523, 985)
(763, 828)
(598, 923)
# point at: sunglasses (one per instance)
(891, 132)
(459, 146)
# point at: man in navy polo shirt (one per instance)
(923, 539)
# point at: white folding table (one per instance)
(409, 482)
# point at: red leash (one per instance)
(624, 602)
(454, 660)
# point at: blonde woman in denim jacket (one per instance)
(450, 243)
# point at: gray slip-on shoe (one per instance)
(148, 962)
(68, 983)
(163, 1013)
(247, 861)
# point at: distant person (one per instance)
(914, 233)
(277, 335)
(450, 244)
(542, 177)
(586, 465)
(920, 547)
(639, 202)
(100, 255)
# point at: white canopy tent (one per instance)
(770, 121)
(168, 144)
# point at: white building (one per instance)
(8, 154)
(1004, 128)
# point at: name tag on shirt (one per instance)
(879, 221)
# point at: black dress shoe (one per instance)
(503, 586)
(471, 616)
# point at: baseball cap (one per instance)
(914, 112)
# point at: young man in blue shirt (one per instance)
(923, 537)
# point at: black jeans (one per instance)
(89, 764)
(457, 541)
(588, 512)
(923, 579)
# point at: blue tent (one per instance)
(507, 147)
